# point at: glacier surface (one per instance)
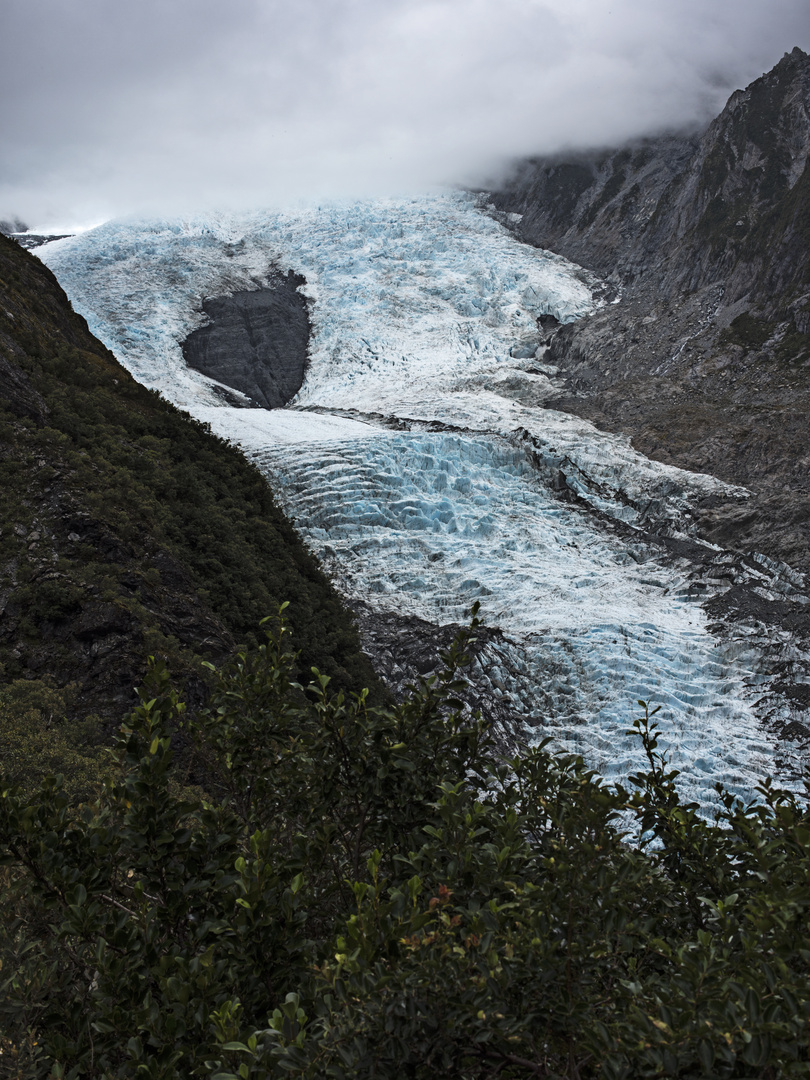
(421, 461)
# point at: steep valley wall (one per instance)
(705, 358)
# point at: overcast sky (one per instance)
(114, 106)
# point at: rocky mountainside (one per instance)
(19, 231)
(704, 358)
(126, 528)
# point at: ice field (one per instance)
(421, 462)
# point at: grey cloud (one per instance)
(108, 107)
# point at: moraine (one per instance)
(420, 461)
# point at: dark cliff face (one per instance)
(734, 214)
(127, 529)
(705, 360)
(594, 207)
(727, 206)
(255, 342)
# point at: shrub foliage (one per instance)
(375, 892)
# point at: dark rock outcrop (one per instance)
(592, 208)
(19, 395)
(255, 342)
(29, 241)
(705, 361)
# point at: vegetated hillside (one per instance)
(126, 528)
(446, 913)
(705, 360)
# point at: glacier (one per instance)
(422, 460)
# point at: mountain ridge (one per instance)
(704, 359)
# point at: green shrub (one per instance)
(36, 740)
(377, 893)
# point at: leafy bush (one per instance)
(377, 893)
(36, 740)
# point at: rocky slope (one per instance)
(126, 528)
(18, 230)
(705, 358)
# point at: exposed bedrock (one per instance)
(255, 342)
(705, 361)
(735, 411)
(406, 649)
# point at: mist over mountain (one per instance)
(107, 110)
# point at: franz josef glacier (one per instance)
(421, 461)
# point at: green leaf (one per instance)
(706, 1055)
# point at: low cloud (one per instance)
(113, 108)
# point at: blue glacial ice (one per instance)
(424, 316)
(428, 523)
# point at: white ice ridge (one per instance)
(424, 312)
